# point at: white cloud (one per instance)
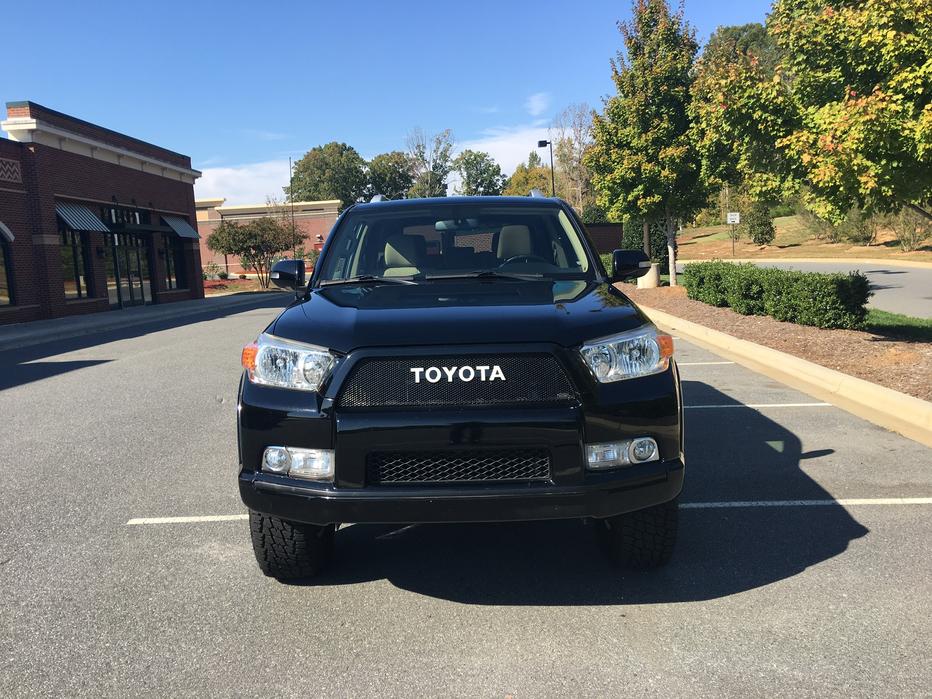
(538, 103)
(243, 184)
(262, 135)
(510, 145)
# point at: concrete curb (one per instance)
(21, 335)
(854, 261)
(909, 416)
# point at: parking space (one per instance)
(764, 595)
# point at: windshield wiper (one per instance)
(484, 274)
(368, 279)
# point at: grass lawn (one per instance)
(793, 239)
(665, 279)
(899, 326)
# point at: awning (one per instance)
(180, 226)
(79, 218)
(5, 233)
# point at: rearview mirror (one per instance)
(288, 274)
(629, 264)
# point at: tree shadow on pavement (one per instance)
(735, 454)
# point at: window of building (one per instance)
(175, 277)
(6, 290)
(74, 264)
(124, 215)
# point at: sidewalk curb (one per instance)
(118, 322)
(907, 415)
(853, 261)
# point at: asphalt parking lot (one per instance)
(766, 594)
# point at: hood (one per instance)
(568, 313)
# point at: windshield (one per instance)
(454, 240)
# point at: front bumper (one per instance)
(649, 406)
(608, 494)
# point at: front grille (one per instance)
(458, 466)
(389, 382)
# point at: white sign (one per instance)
(734, 217)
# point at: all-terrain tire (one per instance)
(644, 539)
(289, 550)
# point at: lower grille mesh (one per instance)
(458, 466)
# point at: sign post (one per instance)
(733, 219)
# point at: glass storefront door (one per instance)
(128, 280)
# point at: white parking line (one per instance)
(725, 504)
(846, 502)
(186, 520)
(702, 363)
(759, 405)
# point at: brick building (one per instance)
(313, 218)
(90, 219)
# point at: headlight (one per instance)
(272, 361)
(640, 352)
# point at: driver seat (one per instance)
(514, 241)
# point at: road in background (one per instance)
(760, 599)
(898, 289)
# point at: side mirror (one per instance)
(629, 264)
(288, 274)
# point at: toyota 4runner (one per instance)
(459, 360)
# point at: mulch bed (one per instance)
(215, 286)
(898, 364)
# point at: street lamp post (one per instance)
(553, 179)
(294, 239)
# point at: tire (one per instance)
(641, 540)
(289, 550)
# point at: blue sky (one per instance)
(240, 87)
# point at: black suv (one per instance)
(459, 360)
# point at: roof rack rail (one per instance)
(378, 197)
(536, 193)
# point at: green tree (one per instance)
(759, 224)
(846, 116)
(731, 50)
(643, 161)
(257, 243)
(729, 43)
(534, 160)
(431, 160)
(390, 175)
(479, 174)
(593, 213)
(525, 178)
(332, 171)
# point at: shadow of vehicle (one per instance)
(21, 366)
(735, 454)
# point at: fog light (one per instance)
(276, 460)
(608, 455)
(614, 454)
(312, 464)
(644, 449)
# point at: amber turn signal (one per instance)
(249, 356)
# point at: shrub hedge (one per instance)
(807, 298)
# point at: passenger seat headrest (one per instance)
(514, 241)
